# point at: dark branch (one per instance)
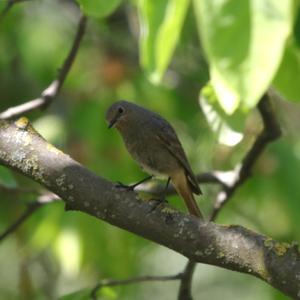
(231, 247)
(185, 289)
(17, 190)
(72, 54)
(114, 282)
(31, 208)
(8, 6)
(53, 89)
(270, 132)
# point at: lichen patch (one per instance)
(279, 248)
(22, 123)
(61, 180)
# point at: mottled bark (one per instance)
(231, 247)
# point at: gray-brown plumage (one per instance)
(153, 143)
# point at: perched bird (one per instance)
(154, 144)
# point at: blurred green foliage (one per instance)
(247, 46)
(161, 23)
(98, 9)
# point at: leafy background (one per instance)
(204, 65)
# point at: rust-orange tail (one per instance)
(181, 185)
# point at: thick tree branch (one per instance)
(231, 247)
(53, 89)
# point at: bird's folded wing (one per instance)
(169, 139)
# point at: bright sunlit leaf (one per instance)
(98, 8)
(109, 293)
(288, 76)
(69, 252)
(244, 42)
(218, 121)
(161, 23)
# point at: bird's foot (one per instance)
(158, 202)
(124, 186)
(132, 186)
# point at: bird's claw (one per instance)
(157, 202)
(124, 186)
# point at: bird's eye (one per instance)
(120, 110)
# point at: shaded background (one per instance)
(56, 253)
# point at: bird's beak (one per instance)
(112, 123)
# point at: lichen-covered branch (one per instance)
(231, 247)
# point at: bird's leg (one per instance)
(163, 195)
(162, 198)
(132, 186)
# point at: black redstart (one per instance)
(154, 144)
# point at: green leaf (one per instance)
(288, 76)
(161, 24)
(98, 8)
(6, 177)
(84, 294)
(108, 293)
(228, 129)
(244, 42)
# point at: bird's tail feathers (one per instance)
(183, 188)
(194, 184)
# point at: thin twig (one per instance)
(185, 290)
(31, 208)
(53, 89)
(114, 282)
(8, 6)
(18, 190)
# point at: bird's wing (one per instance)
(169, 139)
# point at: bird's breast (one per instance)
(150, 170)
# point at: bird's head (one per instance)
(120, 113)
